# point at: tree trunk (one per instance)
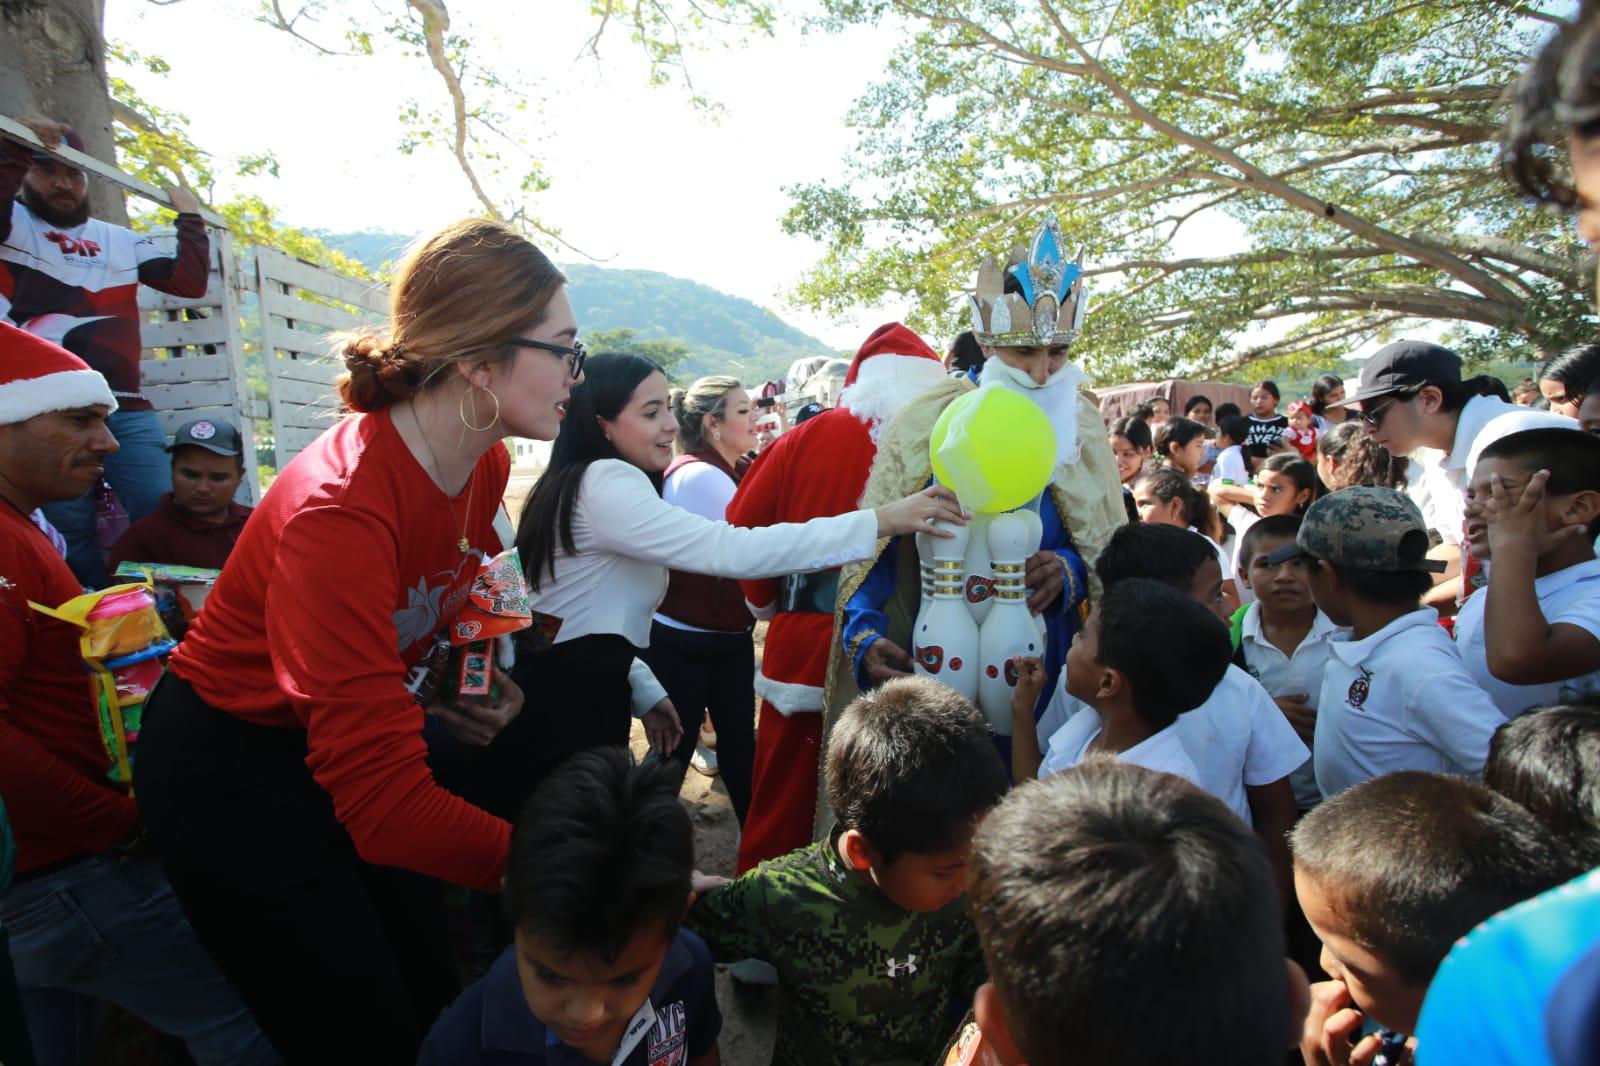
(55, 64)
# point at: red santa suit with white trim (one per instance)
(817, 469)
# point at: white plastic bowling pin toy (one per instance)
(1035, 537)
(1010, 632)
(924, 544)
(944, 644)
(978, 591)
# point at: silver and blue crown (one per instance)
(1048, 310)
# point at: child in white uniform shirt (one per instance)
(1283, 638)
(1532, 637)
(1396, 695)
(1133, 699)
(1238, 740)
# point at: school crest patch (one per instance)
(1360, 688)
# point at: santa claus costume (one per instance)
(818, 468)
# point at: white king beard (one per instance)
(1057, 397)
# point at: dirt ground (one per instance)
(748, 1027)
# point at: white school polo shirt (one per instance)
(1567, 597)
(1161, 751)
(1296, 675)
(1401, 699)
(1237, 737)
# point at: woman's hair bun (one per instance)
(377, 374)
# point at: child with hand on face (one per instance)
(1131, 698)
(1391, 873)
(1533, 507)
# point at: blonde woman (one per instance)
(700, 644)
(282, 772)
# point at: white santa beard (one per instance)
(1057, 397)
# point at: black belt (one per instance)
(810, 593)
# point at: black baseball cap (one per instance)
(212, 434)
(810, 410)
(1405, 366)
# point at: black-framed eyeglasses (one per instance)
(575, 355)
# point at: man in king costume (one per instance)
(1024, 319)
(817, 468)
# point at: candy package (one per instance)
(496, 603)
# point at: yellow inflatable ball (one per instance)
(995, 448)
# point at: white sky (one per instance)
(639, 178)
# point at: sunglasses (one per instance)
(575, 355)
(1374, 417)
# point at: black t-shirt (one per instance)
(1266, 430)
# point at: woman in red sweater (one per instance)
(282, 771)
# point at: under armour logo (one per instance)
(898, 969)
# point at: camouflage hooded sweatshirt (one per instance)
(860, 980)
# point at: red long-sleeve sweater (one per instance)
(343, 574)
(52, 764)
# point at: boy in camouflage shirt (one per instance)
(867, 930)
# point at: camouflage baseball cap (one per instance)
(1364, 528)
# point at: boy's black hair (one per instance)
(1571, 455)
(602, 850)
(911, 766)
(1161, 553)
(1195, 401)
(1412, 861)
(1275, 527)
(1548, 760)
(1225, 410)
(1401, 588)
(1127, 916)
(1138, 614)
(1235, 426)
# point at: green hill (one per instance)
(724, 334)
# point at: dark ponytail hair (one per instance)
(609, 381)
(1133, 430)
(1456, 394)
(1558, 93)
(1296, 469)
(1168, 483)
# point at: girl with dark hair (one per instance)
(1326, 391)
(1285, 484)
(1266, 424)
(1348, 456)
(1567, 378)
(1166, 498)
(597, 540)
(1130, 444)
(1181, 444)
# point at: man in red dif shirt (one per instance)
(88, 913)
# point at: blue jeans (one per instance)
(139, 471)
(109, 927)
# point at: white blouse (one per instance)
(627, 537)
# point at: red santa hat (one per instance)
(892, 339)
(37, 376)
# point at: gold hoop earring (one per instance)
(461, 409)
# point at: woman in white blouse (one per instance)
(597, 540)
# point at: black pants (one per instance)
(575, 696)
(712, 672)
(339, 960)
